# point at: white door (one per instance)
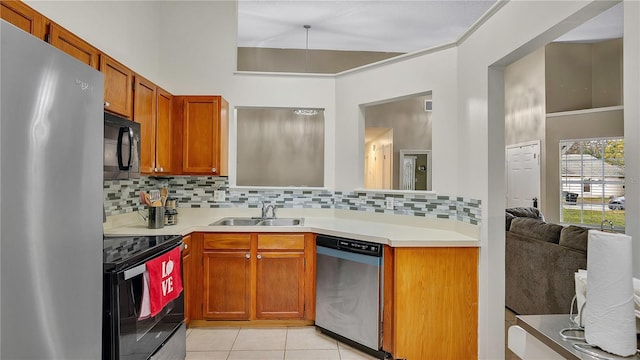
(523, 174)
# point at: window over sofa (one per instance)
(592, 180)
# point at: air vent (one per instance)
(428, 105)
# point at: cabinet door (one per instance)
(66, 41)
(22, 16)
(163, 132)
(144, 112)
(187, 277)
(280, 285)
(435, 303)
(227, 285)
(201, 130)
(118, 85)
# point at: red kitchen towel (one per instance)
(165, 280)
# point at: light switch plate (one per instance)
(389, 203)
(218, 195)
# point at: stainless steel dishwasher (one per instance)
(349, 283)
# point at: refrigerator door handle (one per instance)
(125, 130)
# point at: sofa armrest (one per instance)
(539, 275)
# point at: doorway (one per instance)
(523, 174)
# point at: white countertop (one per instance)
(393, 230)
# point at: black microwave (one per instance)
(121, 148)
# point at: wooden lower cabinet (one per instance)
(251, 276)
(435, 303)
(280, 277)
(226, 285)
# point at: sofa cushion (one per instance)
(536, 229)
(529, 212)
(507, 219)
(574, 237)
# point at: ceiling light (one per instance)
(306, 112)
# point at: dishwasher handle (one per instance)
(349, 256)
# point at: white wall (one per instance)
(435, 72)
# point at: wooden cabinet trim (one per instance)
(280, 241)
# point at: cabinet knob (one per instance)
(259, 256)
(161, 169)
(107, 104)
(186, 246)
(155, 169)
(247, 255)
(213, 170)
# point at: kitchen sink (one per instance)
(247, 221)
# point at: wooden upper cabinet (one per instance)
(144, 112)
(118, 86)
(204, 145)
(24, 17)
(164, 133)
(71, 44)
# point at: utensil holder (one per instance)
(156, 217)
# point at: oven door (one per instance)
(129, 337)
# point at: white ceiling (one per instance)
(379, 25)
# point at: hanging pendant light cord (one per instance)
(306, 51)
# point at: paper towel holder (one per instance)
(574, 321)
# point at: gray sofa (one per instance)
(540, 262)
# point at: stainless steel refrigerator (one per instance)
(51, 140)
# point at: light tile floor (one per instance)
(293, 343)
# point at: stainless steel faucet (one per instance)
(265, 210)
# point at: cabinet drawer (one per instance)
(280, 241)
(227, 241)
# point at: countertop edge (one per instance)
(358, 229)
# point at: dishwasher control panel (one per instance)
(350, 245)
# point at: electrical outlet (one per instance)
(219, 195)
(389, 203)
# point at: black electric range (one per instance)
(126, 335)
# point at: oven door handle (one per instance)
(128, 274)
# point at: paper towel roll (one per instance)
(609, 320)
